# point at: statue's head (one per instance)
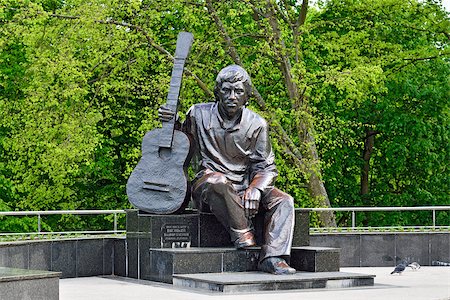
(233, 73)
(233, 89)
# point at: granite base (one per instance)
(28, 284)
(165, 263)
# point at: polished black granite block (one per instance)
(144, 257)
(301, 228)
(164, 263)
(315, 259)
(439, 244)
(132, 250)
(257, 281)
(378, 250)
(108, 256)
(40, 256)
(161, 267)
(412, 247)
(241, 260)
(163, 231)
(120, 258)
(132, 224)
(350, 245)
(89, 257)
(14, 256)
(64, 258)
(145, 231)
(211, 232)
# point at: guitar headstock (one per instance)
(184, 43)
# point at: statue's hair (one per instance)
(233, 73)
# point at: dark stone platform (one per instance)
(194, 250)
(166, 263)
(258, 281)
(190, 229)
(28, 284)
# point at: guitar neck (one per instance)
(184, 43)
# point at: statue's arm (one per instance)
(189, 127)
(263, 171)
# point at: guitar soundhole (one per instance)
(165, 153)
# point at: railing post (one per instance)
(353, 219)
(115, 222)
(39, 223)
(434, 218)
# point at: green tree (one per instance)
(355, 92)
(384, 105)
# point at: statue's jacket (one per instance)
(243, 152)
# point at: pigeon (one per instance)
(399, 269)
(415, 266)
(440, 263)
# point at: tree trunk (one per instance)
(316, 186)
(367, 153)
(365, 183)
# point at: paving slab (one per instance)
(427, 283)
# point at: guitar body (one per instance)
(159, 182)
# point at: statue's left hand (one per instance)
(252, 196)
(165, 114)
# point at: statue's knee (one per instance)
(217, 181)
(288, 202)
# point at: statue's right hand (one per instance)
(165, 114)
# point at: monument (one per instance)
(233, 193)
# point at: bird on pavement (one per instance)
(399, 269)
(414, 265)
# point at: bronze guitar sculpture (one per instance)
(159, 183)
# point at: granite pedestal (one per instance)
(28, 284)
(190, 229)
(194, 250)
(166, 263)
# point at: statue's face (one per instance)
(232, 98)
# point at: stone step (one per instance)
(28, 284)
(258, 281)
(164, 263)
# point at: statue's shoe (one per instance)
(246, 240)
(276, 265)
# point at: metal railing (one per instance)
(354, 210)
(115, 213)
(41, 213)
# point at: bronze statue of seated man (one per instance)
(237, 171)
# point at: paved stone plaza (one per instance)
(427, 283)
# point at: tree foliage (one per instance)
(356, 93)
